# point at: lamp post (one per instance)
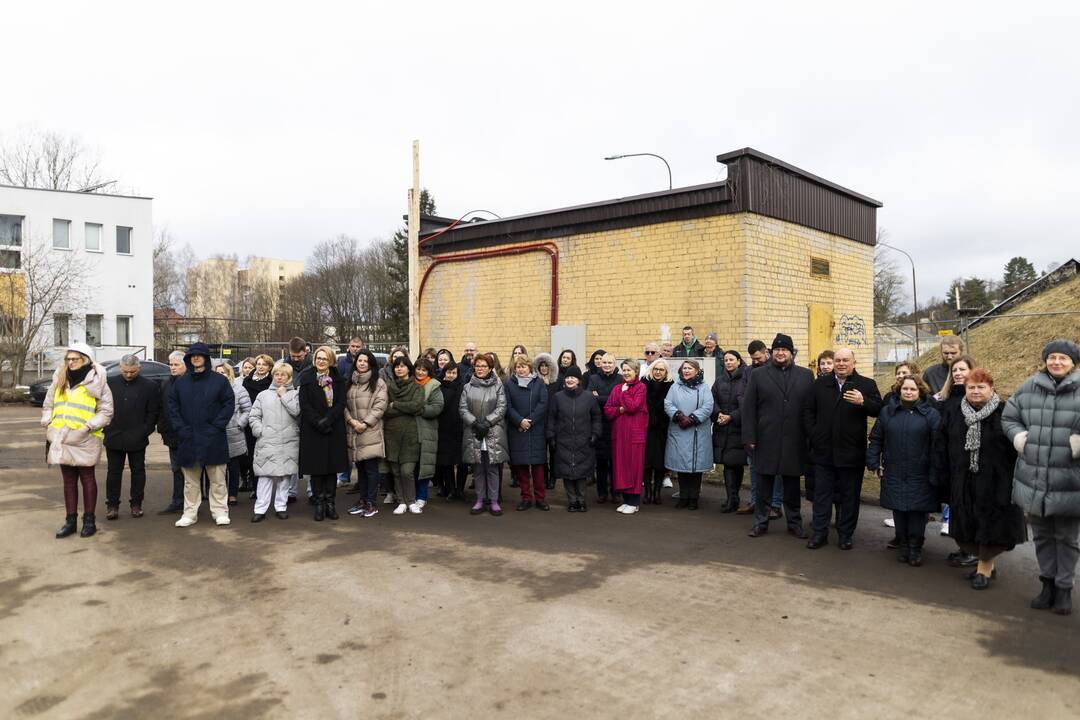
(620, 157)
(914, 292)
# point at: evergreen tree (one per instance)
(1019, 273)
(397, 316)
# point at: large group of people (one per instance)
(941, 440)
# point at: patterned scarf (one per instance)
(327, 384)
(974, 418)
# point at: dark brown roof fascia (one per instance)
(729, 157)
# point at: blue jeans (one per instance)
(367, 474)
(778, 487)
(422, 486)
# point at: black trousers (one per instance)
(842, 486)
(792, 501)
(689, 486)
(603, 476)
(324, 486)
(451, 478)
(137, 461)
(909, 525)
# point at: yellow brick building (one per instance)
(770, 249)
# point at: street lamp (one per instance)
(914, 292)
(620, 157)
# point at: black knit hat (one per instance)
(572, 371)
(1063, 346)
(783, 341)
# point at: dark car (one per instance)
(147, 368)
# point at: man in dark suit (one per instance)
(835, 417)
(136, 404)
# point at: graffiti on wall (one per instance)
(851, 331)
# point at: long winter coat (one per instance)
(836, 428)
(200, 406)
(78, 446)
(427, 427)
(136, 406)
(368, 407)
(902, 444)
(164, 423)
(1042, 420)
(450, 428)
(526, 403)
(689, 450)
(602, 385)
(322, 426)
(629, 429)
(728, 391)
(274, 421)
(772, 418)
(484, 398)
(980, 504)
(657, 432)
(574, 425)
(401, 436)
(234, 431)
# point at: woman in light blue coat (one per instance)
(689, 404)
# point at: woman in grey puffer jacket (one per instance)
(1042, 419)
(483, 417)
(275, 425)
(234, 431)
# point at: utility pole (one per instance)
(414, 254)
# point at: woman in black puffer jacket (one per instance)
(727, 392)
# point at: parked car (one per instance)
(381, 358)
(147, 368)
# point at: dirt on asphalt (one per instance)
(668, 613)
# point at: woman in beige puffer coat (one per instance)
(365, 404)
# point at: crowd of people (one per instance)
(942, 438)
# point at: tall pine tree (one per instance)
(397, 315)
(1019, 273)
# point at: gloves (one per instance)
(683, 421)
(480, 428)
(694, 420)
(323, 425)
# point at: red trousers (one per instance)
(522, 473)
(73, 476)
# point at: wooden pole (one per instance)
(414, 254)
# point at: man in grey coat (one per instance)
(772, 430)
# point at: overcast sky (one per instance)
(262, 128)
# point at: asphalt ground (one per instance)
(668, 613)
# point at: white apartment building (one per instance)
(113, 235)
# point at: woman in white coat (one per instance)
(274, 421)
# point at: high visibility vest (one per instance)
(74, 408)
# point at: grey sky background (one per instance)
(262, 128)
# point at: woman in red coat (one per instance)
(629, 414)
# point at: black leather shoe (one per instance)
(524, 505)
(70, 526)
(758, 531)
(816, 543)
(846, 545)
(691, 504)
(980, 582)
(572, 507)
(798, 531)
(541, 505)
(89, 525)
(582, 507)
(971, 575)
(281, 514)
(258, 517)
(172, 509)
(291, 500)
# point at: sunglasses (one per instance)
(650, 352)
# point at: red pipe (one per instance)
(547, 247)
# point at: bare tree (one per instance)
(46, 284)
(50, 160)
(888, 286)
(172, 262)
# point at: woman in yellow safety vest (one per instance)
(77, 407)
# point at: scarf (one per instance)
(327, 384)
(423, 381)
(524, 381)
(74, 377)
(974, 418)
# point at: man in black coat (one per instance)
(169, 436)
(136, 404)
(772, 431)
(689, 347)
(835, 416)
(465, 365)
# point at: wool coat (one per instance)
(136, 406)
(368, 407)
(1042, 420)
(629, 414)
(602, 385)
(657, 432)
(728, 391)
(450, 427)
(980, 503)
(836, 428)
(401, 436)
(689, 450)
(200, 407)
(526, 403)
(574, 426)
(164, 424)
(427, 427)
(78, 447)
(902, 443)
(772, 418)
(322, 427)
(484, 398)
(234, 431)
(275, 423)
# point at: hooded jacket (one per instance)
(689, 450)
(484, 398)
(200, 406)
(573, 424)
(274, 421)
(902, 442)
(427, 427)
(234, 431)
(78, 447)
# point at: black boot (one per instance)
(904, 547)
(692, 504)
(89, 525)
(915, 551)
(1062, 601)
(330, 501)
(1044, 600)
(320, 508)
(658, 486)
(646, 498)
(69, 527)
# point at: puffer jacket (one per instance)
(1042, 420)
(234, 431)
(427, 428)
(275, 422)
(573, 424)
(78, 446)
(526, 403)
(689, 450)
(367, 407)
(727, 392)
(902, 443)
(400, 435)
(484, 398)
(200, 405)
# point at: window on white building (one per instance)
(61, 234)
(123, 330)
(60, 330)
(11, 230)
(93, 236)
(123, 242)
(93, 330)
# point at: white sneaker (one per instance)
(185, 521)
(389, 500)
(622, 508)
(889, 522)
(422, 503)
(222, 520)
(944, 528)
(400, 509)
(416, 508)
(675, 495)
(630, 509)
(667, 482)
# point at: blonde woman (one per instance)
(274, 423)
(657, 384)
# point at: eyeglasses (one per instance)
(72, 359)
(650, 352)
